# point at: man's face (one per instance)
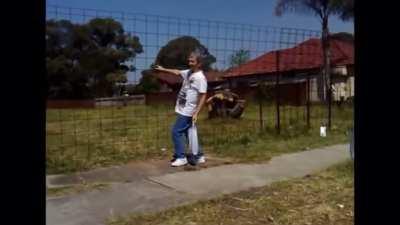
(192, 61)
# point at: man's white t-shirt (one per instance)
(193, 84)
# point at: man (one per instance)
(190, 100)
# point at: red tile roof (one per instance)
(306, 55)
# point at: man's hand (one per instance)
(158, 67)
(194, 117)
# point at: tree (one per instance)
(239, 57)
(88, 60)
(176, 52)
(346, 9)
(323, 9)
(147, 83)
(173, 55)
(343, 36)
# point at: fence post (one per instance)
(277, 95)
(308, 101)
(330, 101)
(261, 115)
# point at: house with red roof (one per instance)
(297, 64)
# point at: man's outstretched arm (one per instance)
(172, 71)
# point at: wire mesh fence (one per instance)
(221, 38)
(283, 64)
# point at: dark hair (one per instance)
(200, 54)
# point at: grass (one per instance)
(325, 198)
(68, 190)
(83, 139)
(264, 146)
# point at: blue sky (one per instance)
(257, 12)
(254, 12)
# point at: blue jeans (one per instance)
(180, 129)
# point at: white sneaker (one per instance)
(179, 162)
(202, 159)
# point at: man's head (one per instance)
(196, 59)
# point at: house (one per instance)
(296, 65)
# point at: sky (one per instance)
(254, 12)
(257, 12)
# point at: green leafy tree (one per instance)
(176, 52)
(88, 60)
(239, 57)
(147, 84)
(173, 55)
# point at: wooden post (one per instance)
(308, 100)
(277, 87)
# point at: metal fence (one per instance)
(221, 38)
(105, 134)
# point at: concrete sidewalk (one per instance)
(159, 192)
(131, 172)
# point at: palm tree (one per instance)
(323, 9)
